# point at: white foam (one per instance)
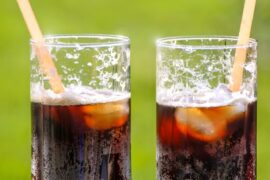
(75, 95)
(221, 96)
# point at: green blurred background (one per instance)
(143, 21)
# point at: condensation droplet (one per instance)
(72, 56)
(89, 64)
(251, 67)
(189, 49)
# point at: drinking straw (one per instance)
(243, 39)
(45, 61)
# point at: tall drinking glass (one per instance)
(205, 130)
(84, 132)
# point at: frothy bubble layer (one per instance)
(75, 95)
(221, 96)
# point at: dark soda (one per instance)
(74, 142)
(206, 143)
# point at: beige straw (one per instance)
(243, 39)
(45, 60)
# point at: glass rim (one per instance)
(117, 40)
(167, 42)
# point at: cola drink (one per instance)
(80, 103)
(211, 143)
(206, 108)
(81, 141)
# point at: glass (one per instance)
(84, 132)
(204, 130)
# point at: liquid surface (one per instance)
(75, 95)
(220, 96)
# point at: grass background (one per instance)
(143, 21)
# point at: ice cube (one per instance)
(205, 126)
(194, 118)
(232, 112)
(106, 115)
